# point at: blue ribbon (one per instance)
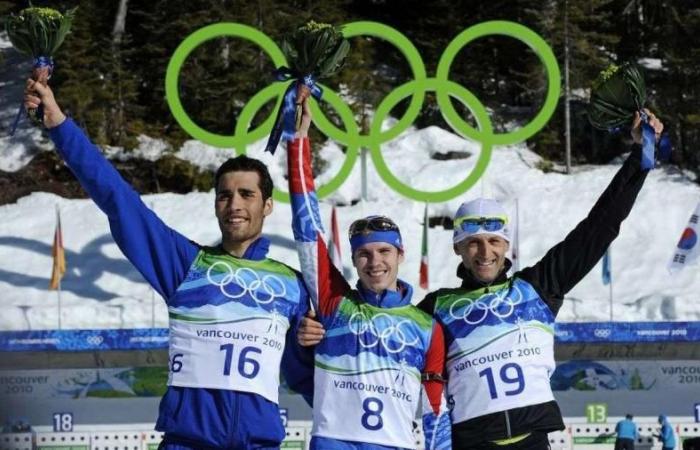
(648, 142)
(665, 147)
(39, 62)
(285, 123)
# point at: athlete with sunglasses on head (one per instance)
(499, 330)
(378, 348)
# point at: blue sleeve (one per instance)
(297, 361)
(666, 432)
(162, 255)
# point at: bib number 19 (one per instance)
(510, 375)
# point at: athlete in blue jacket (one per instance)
(666, 436)
(231, 308)
(381, 354)
(627, 433)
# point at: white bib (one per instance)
(510, 371)
(376, 408)
(239, 355)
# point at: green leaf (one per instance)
(38, 31)
(616, 94)
(315, 48)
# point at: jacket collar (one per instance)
(387, 298)
(257, 251)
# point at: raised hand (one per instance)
(36, 94)
(655, 123)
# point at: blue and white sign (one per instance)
(627, 332)
(157, 338)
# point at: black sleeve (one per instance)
(427, 305)
(569, 261)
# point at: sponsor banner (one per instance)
(84, 340)
(664, 377)
(122, 382)
(157, 338)
(611, 332)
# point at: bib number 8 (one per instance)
(510, 374)
(372, 419)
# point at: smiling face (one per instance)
(377, 265)
(483, 255)
(240, 210)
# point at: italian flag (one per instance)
(423, 280)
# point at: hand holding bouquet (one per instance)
(38, 32)
(617, 94)
(313, 51)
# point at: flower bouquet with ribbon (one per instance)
(617, 93)
(38, 32)
(313, 51)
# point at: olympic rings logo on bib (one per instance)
(239, 282)
(476, 311)
(350, 135)
(391, 336)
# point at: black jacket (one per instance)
(553, 276)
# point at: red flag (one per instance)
(334, 243)
(424, 279)
(59, 257)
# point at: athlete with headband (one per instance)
(499, 330)
(379, 347)
(230, 306)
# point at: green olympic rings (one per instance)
(537, 44)
(351, 136)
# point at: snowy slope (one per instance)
(102, 290)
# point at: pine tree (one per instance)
(678, 84)
(592, 43)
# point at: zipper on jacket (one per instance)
(238, 438)
(508, 424)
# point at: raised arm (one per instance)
(161, 254)
(568, 262)
(437, 427)
(326, 284)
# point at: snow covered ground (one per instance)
(102, 290)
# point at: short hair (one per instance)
(242, 163)
(629, 416)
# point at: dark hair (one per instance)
(629, 416)
(242, 163)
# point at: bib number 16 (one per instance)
(247, 366)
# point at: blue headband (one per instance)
(390, 237)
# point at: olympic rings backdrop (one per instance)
(351, 137)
